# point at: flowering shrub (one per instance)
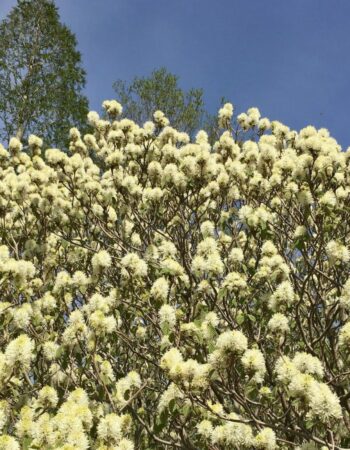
(158, 293)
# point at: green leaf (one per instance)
(240, 318)
(186, 410)
(309, 424)
(251, 318)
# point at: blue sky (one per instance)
(291, 59)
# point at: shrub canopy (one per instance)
(159, 293)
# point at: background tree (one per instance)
(160, 91)
(41, 77)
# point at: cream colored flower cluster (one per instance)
(161, 292)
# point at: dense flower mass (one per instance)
(159, 292)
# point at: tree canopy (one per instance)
(158, 292)
(41, 77)
(161, 91)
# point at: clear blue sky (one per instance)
(291, 59)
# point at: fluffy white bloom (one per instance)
(328, 199)
(110, 427)
(160, 289)
(4, 410)
(194, 374)
(35, 141)
(283, 297)
(254, 116)
(255, 217)
(22, 315)
(8, 443)
(337, 253)
(20, 351)
(112, 107)
(324, 404)
(213, 264)
(153, 194)
(93, 117)
(172, 267)
(149, 127)
(167, 249)
(19, 269)
(285, 369)
(233, 434)
(63, 280)
(167, 316)
(76, 326)
(80, 279)
(268, 249)
(125, 384)
(15, 145)
(50, 350)
(134, 264)
(344, 336)
(210, 322)
(264, 124)
(235, 281)
(306, 363)
(345, 296)
(4, 253)
(278, 323)
(225, 114)
(205, 428)
(74, 133)
(172, 359)
(279, 129)
(107, 372)
(99, 302)
(300, 385)
(253, 361)
(266, 439)
(155, 169)
(25, 424)
(300, 231)
(125, 444)
(171, 393)
(265, 391)
(236, 255)
(231, 341)
(208, 258)
(101, 260)
(207, 247)
(244, 121)
(47, 397)
(101, 323)
(310, 446)
(207, 228)
(55, 156)
(160, 119)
